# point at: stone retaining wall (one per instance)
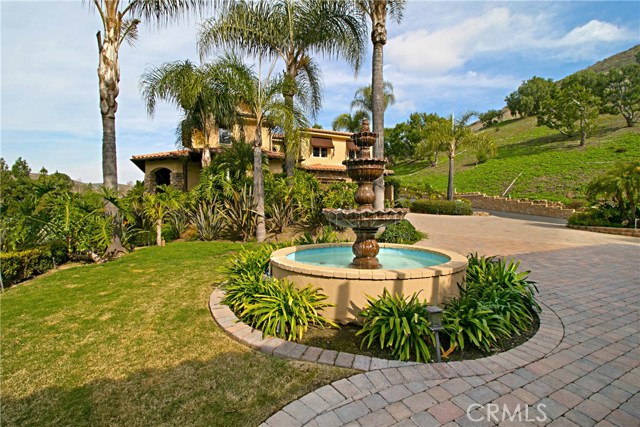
(608, 230)
(522, 206)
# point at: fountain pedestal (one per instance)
(365, 221)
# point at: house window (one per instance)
(224, 136)
(320, 152)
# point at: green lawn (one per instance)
(132, 343)
(553, 167)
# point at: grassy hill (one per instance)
(552, 166)
(616, 61)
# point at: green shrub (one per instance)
(251, 263)
(281, 310)
(402, 232)
(604, 214)
(340, 195)
(496, 302)
(209, 220)
(326, 235)
(442, 207)
(398, 324)
(21, 265)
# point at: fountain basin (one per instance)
(347, 288)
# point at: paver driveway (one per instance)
(583, 371)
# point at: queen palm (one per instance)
(291, 30)
(376, 13)
(200, 92)
(620, 184)
(120, 20)
(350, 122)
(363, 98)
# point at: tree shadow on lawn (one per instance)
(231, 389)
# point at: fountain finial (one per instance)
(365, 126)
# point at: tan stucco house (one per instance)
(322, 153)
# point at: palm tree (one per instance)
(350, 122)
(158, 205)
(260, 97)
(291, 30)
(449, 135)
(120, 20)
(376, 11)
(621, 184)
(363, 98)
(205, 99)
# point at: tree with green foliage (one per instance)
(292, 31)
(621, 93)
(406, 136)
(375, 13)
(158, 206)
(529, 97)
(120, 20)
(451, 136)
(349, 122)
(490, 117)
(572, 108)
(620, 184)
(363, 98)
(261, 97)
(206, 100)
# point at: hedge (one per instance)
(19, 266)
(402, 232)
(442, 207)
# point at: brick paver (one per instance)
(582, 368)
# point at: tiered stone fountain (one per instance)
(365, 221)
(401, 268)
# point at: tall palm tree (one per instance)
(350, 122)
(449, 135)
(120, 20)
(291, 30)
(375, 11)
(363, 98)
(261, 98)
(204, 97)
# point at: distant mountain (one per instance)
(618, 60)
(80, 186)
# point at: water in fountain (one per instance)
(365, 221)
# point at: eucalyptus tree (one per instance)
(293, 31)
(449, 135)
(350, 122)
(261, 98)
(376, 11)
(363, 98)
(204, 96)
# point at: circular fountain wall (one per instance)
(405, 270)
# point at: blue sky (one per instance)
(444, 57)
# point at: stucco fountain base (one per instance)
(347, 288)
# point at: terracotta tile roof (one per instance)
(316, 131)
(318, 167)
(162, 155)
(273, 154)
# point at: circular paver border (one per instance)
(544, 342)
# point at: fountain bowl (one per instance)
(347, 288)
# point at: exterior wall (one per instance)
(176, 166)
(276, 165)
(335, 156)
(193, 174)
(523, 206)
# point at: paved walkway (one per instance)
(581, 369)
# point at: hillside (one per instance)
(552, 166)
(618, 60)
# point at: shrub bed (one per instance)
(21, 265)
(403, 233)
(442, 207)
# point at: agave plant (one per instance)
(209, 220)
(240, 214)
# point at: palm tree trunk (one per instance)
(159, 232)
(450, 181)
(377, 86)
(109, 80)
(288, 146)
(258, 185)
